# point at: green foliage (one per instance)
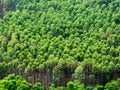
(60, 88)
(13, 82)
(56, 41)
(52, 87)
(89, 88)
(74, 86)
(37, 86)
(113, 85)
(70, 86)
(98, 87)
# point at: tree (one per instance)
(78, 75)
(52, 87)
(70, 86)
(56, 41)
(37, 86)
(74, 86)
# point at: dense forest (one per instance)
(59, 44)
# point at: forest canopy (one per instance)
(57, 41)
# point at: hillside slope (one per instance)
(56, 41)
